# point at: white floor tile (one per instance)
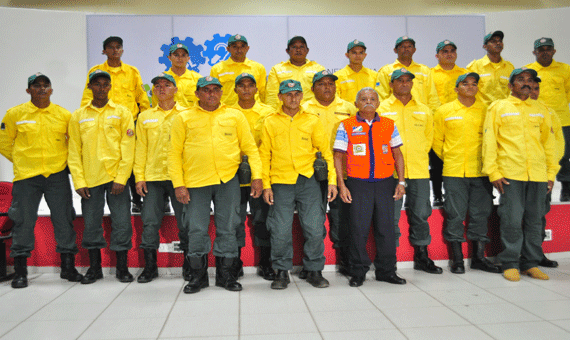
(494, 313)
(353, 320)
(548, 310)
(401, 300)
(468, 332)
(211, 308)
(124, 329)
(476, 296)
(338, 303)
(6, 326)
(61, 330)
(137, 310)
(202, 325)
(489, 280)
(564, 324)
(525, 293)
(445, 281)
(290, 323)
(392, 334)
(304, 336)
(423, 317)
(72, 311)
(526, 330)
(272, 305)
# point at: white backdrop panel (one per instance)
(328, 37)
(465, 31)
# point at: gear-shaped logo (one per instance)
(195, 52)
(216, 49)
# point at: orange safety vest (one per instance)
(369, 155)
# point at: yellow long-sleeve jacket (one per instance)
(555, 88)
(227, 71)
(35, 140)
(101, 145)
(255, 117)
(285, 70)
(423, 90)
(206, 146)
(444, 81)
(458, 138)
(331, 115)
(289, 146)
(153, 141)
(559, 143)
(494, 79)
(126, 88)
(186, 84)
(415, 125)
(350, 82)
(518, 141)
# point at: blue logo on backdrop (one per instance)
(213, 51)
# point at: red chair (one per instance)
(5, 226)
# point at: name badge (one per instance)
(385, 148)
(359, 149)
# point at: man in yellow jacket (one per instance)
(414, 121)
(33, 136)
(424, 90)
(126, 90)
(457, 139)
(493, 70)
(228, 70)
(555, 94)
(354, 76)
(519, 158)
(559, 146)
(332, 110)
(151, 173)
(205, 152)
(255, 113)
(289, 142)
(298, 68)
(101, 154)
(185, 79)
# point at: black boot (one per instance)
(199, 274)
(342, 260)
(565, 192)
(237, 266)
(186, 270)
(264, 268)
(423, 262)
(150, 267)
(316, 279)
(478, 261)
(281, 280)
(94, 272)
(225, 277)
(545, 262)
(122, 270)
(457, 266)
(21, 269)
(68, 270)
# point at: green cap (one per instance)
(98, 73)
(523, 69)
(444, 43)
(164, 76)
(175, 47)
(290, 85)
(112, 39)
(493, 34)
(464, 76)
(324, 73)
(543, 42)
(236, 38)
(296, 38)
(34, 77)
(244, 75)
(355, 43)
(401, 72)
(205, 81)
(404, 38)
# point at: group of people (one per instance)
(299, 139)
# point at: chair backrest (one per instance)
(5, 201)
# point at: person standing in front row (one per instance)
(101, 155)
(289, 141)
(151, 173)
(458, 135)
(372, 148)
(205, 152)
(33, 136)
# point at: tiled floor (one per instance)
(475, 305)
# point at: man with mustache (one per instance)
(298, 68)
(520, 159)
